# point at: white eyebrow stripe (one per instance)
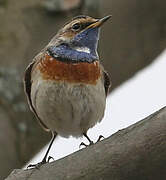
(82, 49)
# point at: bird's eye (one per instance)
(76, 26)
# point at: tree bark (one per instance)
(137, 152)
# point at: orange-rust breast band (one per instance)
(82, 72)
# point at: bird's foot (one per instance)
(99, 138)
(38, 165)
(86, 145)
(90, 142)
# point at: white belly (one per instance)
(68, 109)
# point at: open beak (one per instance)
(99, 22)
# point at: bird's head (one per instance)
(77, 40)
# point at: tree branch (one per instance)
(137, 152)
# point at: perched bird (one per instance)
(65, 84)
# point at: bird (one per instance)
(66, 85)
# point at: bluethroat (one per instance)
(65, 84)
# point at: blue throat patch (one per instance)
(69, 53)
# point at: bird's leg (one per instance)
(49, 147)
(90, 142)
(45, 157)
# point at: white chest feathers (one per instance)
(68, 109)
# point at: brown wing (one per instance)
(27, 88)
(107, 82)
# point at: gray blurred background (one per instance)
(133, 38)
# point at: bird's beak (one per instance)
(99, 22)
